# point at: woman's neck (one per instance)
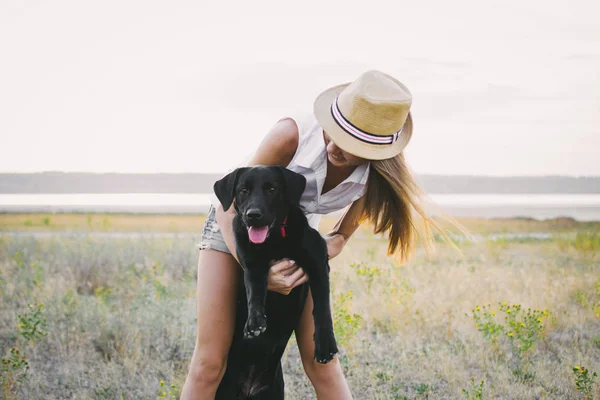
(335, 176)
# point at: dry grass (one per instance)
(120, 312)
(114, 222)
(101, 222)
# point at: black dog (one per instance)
(269, 226)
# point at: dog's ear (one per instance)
(224, 188)
(294, 185)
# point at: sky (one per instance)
(499, 88)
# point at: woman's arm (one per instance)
(277, 148)
(344, 228)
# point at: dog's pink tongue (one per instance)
(258, 235)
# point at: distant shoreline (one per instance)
(591, 213)
(80, 182)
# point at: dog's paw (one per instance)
(325, 346)
(255, 326)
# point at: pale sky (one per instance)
(499, 87)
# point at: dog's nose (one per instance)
(253, 214)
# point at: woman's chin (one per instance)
(335, 162)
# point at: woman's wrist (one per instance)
(335, 243)
(337, 236)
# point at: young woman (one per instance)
(350, 152)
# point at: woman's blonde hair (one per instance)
(392, 194)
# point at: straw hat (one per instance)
(369, 118)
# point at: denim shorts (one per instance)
(211, 238)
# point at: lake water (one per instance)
(583, 207)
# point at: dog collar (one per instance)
(283, 234)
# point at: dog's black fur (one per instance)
(266, 196)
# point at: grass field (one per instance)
(88, 314)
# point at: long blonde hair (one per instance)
(392, 194)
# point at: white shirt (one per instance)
(310, 160)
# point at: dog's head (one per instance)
(262, 196)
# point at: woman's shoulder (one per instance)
(284, 137)
(304, 121)
(286, 140)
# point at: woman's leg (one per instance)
(327, 379)
(218, 274)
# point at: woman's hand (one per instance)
(284, 275)
(335, 244)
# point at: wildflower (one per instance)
(510, 334)
(362, 271)
(493, 312)
(539, 320)
(578, 368)
(522, 324)
(508, 310)
(477, 308)
(545, 313)
(505, 303)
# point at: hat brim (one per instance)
(346, 142)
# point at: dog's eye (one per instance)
(272, 189)
(244, 191)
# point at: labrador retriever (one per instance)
(269, 225)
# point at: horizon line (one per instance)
(224, 172)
